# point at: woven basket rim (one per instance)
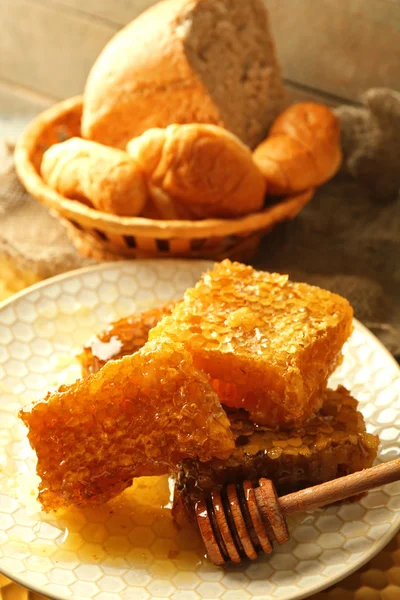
(90, 217)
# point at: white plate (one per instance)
(129, 549)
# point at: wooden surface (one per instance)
(18, 106)
(47, 49)
(335, 47)
(340, 47)
(117, 12)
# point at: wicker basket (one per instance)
(109, 237)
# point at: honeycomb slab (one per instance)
(332, 444)
(141, 415)
(269, 344)
(125, 336)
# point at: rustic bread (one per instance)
(302, 149)
(185, 61)
(101, 177)
(198, 171)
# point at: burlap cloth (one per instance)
(33, 243)
(346, 240)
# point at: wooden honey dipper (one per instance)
(241, 521)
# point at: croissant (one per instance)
(197, 171)
(99, 176)
(302, 150)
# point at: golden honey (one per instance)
(122, 337)
(269, 344)
(135, 530)
(140, 415)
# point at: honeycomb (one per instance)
(331, 444)
(140, 415)
(269, 344)
(122, 337)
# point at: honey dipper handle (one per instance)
(341, 488)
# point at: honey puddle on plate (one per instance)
(135, 530)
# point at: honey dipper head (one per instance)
(241, 521)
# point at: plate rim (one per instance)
(371, 553)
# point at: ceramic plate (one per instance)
(130, 548)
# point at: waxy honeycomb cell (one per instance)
(141, 415)
(125, 336)
(269, 344)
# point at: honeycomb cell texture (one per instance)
(269, 344)
(140, 415)
(123, 337)
(331, 444)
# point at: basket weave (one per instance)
(109, 237)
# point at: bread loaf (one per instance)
(302, 149)
(198, 171)
(101, 177)
(185, 61)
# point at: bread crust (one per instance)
(198, 171)
(302, 149)
(105, 178)
(131, 88)
(145, 78)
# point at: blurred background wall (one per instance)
(329, 49)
